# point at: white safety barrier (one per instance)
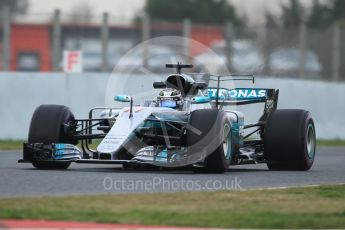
(21, 93)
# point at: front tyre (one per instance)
(210, 132)
(290, 140)
(48, 125)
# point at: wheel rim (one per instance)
(226, 141)
(311, 141)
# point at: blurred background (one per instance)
(281, 38)
(64, 51)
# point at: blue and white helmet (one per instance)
(170, 98)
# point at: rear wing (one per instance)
(242, 96)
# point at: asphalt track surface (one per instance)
(23, 180)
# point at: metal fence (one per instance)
(38, 44)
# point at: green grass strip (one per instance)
(311, 207)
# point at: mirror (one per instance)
(122, 98)
(201, 100)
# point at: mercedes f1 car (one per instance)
(186, 125)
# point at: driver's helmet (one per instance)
(169, 98)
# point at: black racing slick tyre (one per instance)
(290, 140)
(209, 132)
(48, 126)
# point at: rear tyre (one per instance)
(210, 132)
(48, 126)
(290, 140)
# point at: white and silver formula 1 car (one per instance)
(184, 126)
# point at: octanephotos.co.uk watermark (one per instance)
(163, 184)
